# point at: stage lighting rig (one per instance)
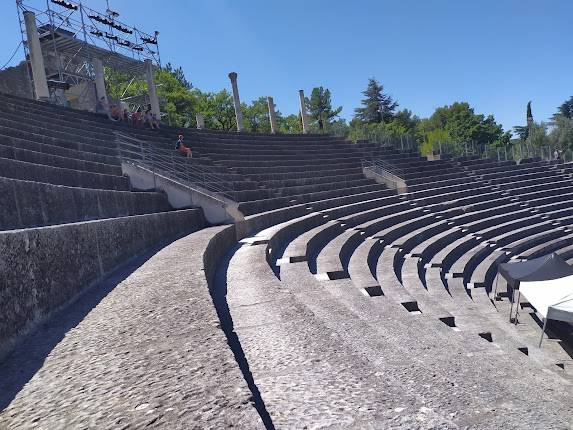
(66, 4)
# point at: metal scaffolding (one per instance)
(72, 35)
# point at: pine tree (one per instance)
(378, 107)
(523, 132)
(319, 105)
(566, 109)
(529, 115)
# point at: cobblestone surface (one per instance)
(145, 352)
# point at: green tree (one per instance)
(319, 106)
(290, 124)
(178, 102)
(375, 132)
(433, 139)
(462, 124)
(523, 131)
(217, 109)
(405, 122)
(179, 75)
(538, 135)
(562, 133)
(377, 106)
(338, 128)
(256, 116)
(176, 99)
(565, 109)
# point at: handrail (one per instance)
(383, 165)
(170, 164)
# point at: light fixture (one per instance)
(66, 4)
(112, 13)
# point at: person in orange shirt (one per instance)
(180, 146)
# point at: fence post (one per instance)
(141, 151)
(153, 168)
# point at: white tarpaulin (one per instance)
(553, 299)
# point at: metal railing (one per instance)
(175, 166)
(383, 165)
(390, 174)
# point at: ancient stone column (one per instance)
(237, 100)
(36, 58)
(153, 99)
(305, 127)
(99, 78)
(272, 115)
(200, 121)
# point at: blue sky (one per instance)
(494, 54)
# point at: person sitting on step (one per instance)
(150, 118)
(180, 146)
(115, 113)
(136, 117)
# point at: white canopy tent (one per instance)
(553, 299)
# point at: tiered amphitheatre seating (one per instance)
(291, 170)
(301, 304)
(260, 172)
(343, 303)
(424, 249)
(67, 215)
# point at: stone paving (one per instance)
(143, 349)
(324, 356)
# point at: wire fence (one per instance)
(404, 142)
(513, 152)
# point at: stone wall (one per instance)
(44, 268)
(16, 81)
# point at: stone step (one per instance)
(41, 138)
(60, 176)
(25, 204)
(56, 133)
(79, 154)
(34, 157)
(252, 207)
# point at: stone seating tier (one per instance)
(344, 303)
